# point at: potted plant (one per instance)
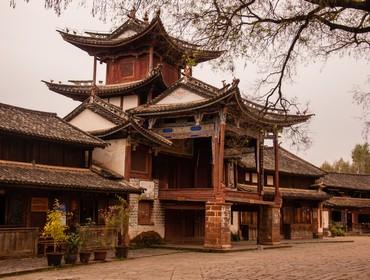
(85, 236)
(100, 253)
(117, 217)
(73, 241)
(55, 228)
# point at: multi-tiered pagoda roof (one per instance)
(134, 34)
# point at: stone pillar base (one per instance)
(217, 225)
(269, 230)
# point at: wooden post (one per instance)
(277, 197)
(93, 90)
(151, 51)
(127, 160)
(259, 163)
(215, 165)
(221, 149)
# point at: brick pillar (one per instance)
(269, 229)
(318, 231)
(217, 225)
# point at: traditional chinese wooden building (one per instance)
(167, 132)
(43, 158)
(349, 205)
(302, 203)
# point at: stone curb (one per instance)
(66, 266)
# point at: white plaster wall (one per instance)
(116, 100)
(234, 227)
(87, 120)
(180, 95)
(113, 156)
(130, 101)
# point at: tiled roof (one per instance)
(93, 41)
(288, 192)
(158, 109)
(250, 112)
(43, 125)
(66, 178)
(81, 92)
(117, 116)
(107, 110)
(348, 202)
(288, 163)
(347, 181)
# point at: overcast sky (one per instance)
(31, 50)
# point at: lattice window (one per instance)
(145, 212)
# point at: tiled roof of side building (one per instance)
(43, 125)
(337, 201)
(292, 193)
(288, 163)
(66, 178)
(347, 181)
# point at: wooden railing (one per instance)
(18, 242)
(99, 236)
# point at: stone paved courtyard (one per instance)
(305, 261)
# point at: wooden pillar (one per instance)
(277, 198)
(151, 58)
(215, 165)
(128, 160)
(93, 90)
(259, 162)
(221, 149)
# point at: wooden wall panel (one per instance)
(170, 74)
(116, 69)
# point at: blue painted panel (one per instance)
(196, 128)
(167, 130)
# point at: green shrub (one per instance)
(337, 230)
(147, 239)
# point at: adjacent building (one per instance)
(43, 158)
(349, 205)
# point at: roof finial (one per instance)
(235, 82)
(158, 12)
(146, 18)
(132, 13)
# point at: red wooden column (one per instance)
(277, 198)
(151, 52)
(259, 162)
(221, 152)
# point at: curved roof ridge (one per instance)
(28, 110)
